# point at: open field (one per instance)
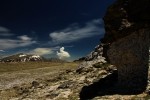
(60, 81)
(12, 74)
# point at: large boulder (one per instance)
(127, 24)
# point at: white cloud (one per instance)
(5, 32)
(9, 43)
(2, 51)
(63, 54)
(3, 29)
(24, 38)
(41, 51)
(75, 32)
(14, 43)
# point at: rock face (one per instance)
(127, 24)
(96, 56)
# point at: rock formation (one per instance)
(96, 56)
(127, 24)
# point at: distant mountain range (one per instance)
(21, 57)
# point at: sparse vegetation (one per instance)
(12, 67)
(12, 74)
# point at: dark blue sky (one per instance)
(43, 26)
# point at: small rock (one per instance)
(65, 85)
(51, 96)
(35, 84)
(82, 78)
(65, 94)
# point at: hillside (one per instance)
(21, 57)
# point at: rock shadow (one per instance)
(105, 86)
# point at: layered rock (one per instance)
(127, 24)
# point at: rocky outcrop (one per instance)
(127, 24)
(96, 56)
(125, 44)
(131, 60)
(124, 17)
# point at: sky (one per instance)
(44, 27)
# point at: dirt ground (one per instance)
(12, 74)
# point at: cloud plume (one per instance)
(63, 54)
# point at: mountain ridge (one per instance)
(22, 57)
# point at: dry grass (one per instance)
(12, 67)
(12, 74)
